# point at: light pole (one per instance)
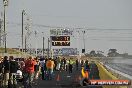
(19, 50)
(84, 40)
(5, 2)
(30, 49)
(27, 35)
(36, 42)
(23, 13)
(78, 43)
(25, 43)
(43, 44)
(43, 47)
(0, 31)
(48, 48)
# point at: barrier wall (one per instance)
(104, 74)
(15, 55)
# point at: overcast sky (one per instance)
(92, 14)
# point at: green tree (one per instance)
(112, 53)
(93, 53)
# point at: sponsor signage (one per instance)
(60, 31)
(69, 51)
(65, 51)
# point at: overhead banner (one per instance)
(60, 32)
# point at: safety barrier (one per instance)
(104, 74)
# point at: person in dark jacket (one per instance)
(64, 61)
(87, 67)
(13, 69)
(77, 63)
(70, 65)
(1, 65)
(36, 68)
(1, 72)
(6, 64)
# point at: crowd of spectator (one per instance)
(28, 70)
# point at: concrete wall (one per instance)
(15, 55)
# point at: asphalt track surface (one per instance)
(121, 64)
(64, 79)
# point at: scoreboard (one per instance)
(60, 40)
(60, 43)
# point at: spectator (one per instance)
(70, 65)
(66, 65)
(28, 72)
(64, 61)
(58, 64)
(77, 64)
(50, 66)
(55, 61)
(6, 71)
(82, 63)
(87, 68)
(1, 72)
(36, 68)
(13, 69)
(43, 68)
(22, 64)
